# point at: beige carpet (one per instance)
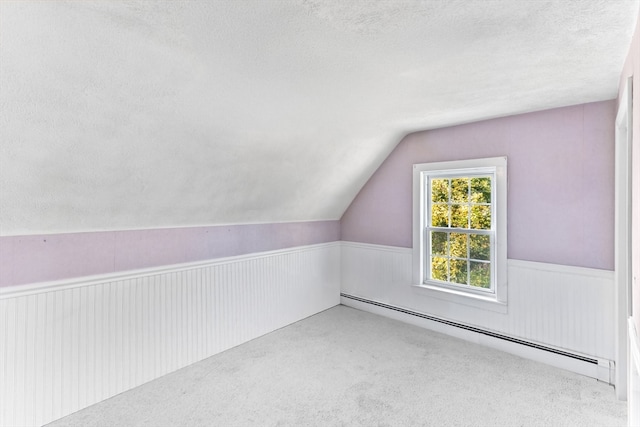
(350, 368)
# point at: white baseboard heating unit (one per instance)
(602, 370)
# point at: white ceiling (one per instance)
(142, 114)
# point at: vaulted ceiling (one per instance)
(145, 114)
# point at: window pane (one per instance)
(439, 215)
(440, 190)
(458, 222)
(481, 190)
(458, 245)
(439, 268)
(460, 216)
(460, 190)
(459, 271)
(481, 217)
(480, 246)
(480, 274)
(438, 243)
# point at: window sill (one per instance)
(483, 302)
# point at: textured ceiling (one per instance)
(132, 114)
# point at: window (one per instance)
(460, 228)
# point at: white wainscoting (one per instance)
(562, 307)
(69, 344)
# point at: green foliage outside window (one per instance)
(462, 203)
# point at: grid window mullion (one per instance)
(449, 206)
(469, 256)
(452, 223)
(462, 227)
(448, 254)
(468, 209)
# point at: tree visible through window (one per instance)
(460, 229)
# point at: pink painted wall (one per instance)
(560, 177)
(29, 259)
(632, 67)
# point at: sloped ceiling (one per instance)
(145, 114)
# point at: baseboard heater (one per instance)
(472, 329)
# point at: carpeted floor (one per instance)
(350, 368)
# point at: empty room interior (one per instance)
(319, 212)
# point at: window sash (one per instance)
(428, 254)
(428, 229)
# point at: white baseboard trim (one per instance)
(563, 307)
(600, 369)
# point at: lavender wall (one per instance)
(29, 259)
(561, 183)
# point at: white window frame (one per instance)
(495, 298)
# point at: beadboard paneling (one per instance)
(569, 308)
(67, 345)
